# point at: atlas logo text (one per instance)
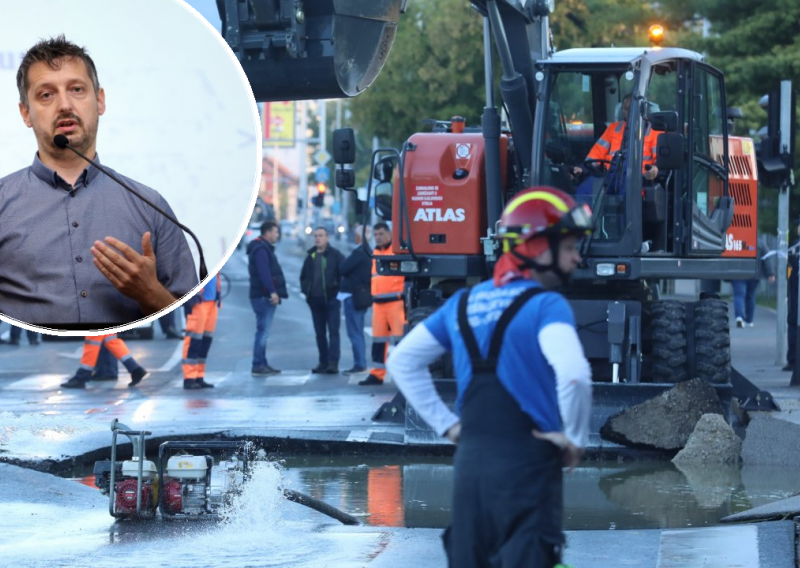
(433, 214)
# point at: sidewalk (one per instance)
(753, 354)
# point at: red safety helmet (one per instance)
(542, 211)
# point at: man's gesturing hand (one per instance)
(132, 273)
(570, 454)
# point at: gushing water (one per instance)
(259, 529)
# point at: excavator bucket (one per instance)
(608, 399)
(323, 49)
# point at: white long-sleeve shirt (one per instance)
(559, 343)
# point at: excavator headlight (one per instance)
(605, 269)
(409, 266)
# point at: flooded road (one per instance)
(597, 495)
(416, 492)
(46, 521)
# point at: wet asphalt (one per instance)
(55, 522)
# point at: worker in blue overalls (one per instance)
(524, 388)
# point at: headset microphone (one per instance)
(62, 142)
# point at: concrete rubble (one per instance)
(713, 442)
(666, 421)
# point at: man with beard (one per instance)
(77, 249)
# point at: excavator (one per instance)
(445, 190)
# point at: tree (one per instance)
(435, 71)
(601, 23)
(757, 45)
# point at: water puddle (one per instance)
(416, 492)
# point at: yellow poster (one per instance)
(278, 124)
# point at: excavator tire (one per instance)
(442, 368)
(712, 341)
(668, 324)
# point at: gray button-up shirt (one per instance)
(46, 230)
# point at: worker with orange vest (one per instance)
(606, 147)
(201, 320)
(91, 350)
(388, 310)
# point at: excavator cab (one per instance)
(676, 109)
(324, 49)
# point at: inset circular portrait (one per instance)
(130, 160)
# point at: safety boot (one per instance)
(136, 377)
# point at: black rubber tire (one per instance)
(668, 327)
(712, 341)
(442, 368)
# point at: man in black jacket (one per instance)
(319, 281)
(267, 287)
(791, 291)
(356, 296)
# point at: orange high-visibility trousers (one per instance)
(91, 350)
(388, 321)
(200, 325)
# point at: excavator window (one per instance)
(582, 105)
(707, 132)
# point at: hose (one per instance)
(320, 506)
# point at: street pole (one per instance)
(783, 238)
(783, 220)
(323, 142)
(276, 198)
(303, 169)
(338, 194)
(372, 216)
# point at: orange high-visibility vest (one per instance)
(385, 288)
(610, 142)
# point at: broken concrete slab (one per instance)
(782, 509)
(713, 442)
(771, 441)
(664, 422)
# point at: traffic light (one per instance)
(319, 199)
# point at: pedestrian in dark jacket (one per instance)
(744, 291)
(791, 292)
(319, 281)
(356, 296)
(267, 287)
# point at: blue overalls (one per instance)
(507, 502)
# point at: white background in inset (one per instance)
(180, 118)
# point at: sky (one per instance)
(207, 9)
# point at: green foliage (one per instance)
(601, 23)
(757, 45)
(435, 71)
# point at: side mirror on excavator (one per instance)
(324, 49)
(383, 200)
(663, 121)
(384, 169)
(669, 152)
